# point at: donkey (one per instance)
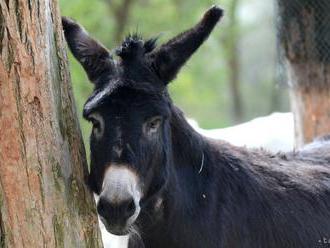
(164, 184)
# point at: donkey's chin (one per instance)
(119, 230)
(116, 230)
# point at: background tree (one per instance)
(231, 45)
(121, 11)
(304, 34)
(43, 199)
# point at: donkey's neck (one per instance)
(191, 161)
(189, 146)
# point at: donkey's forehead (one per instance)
(122, 92)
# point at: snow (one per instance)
(274, 132)
(112, 241)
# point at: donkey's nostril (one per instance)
(130, 208)
(102, 207)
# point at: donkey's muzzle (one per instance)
(119, 202)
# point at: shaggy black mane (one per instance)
(132, 52)
(134, 45)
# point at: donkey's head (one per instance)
(131, 111)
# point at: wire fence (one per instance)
(304, 29)
(303, 35)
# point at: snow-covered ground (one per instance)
(274, 132)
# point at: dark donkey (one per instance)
(166, 185)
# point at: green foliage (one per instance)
(201, 89)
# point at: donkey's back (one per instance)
(318, 149)
(286, 200)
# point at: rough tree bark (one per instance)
(304, 34)
(43, 199)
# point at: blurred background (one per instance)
(231, 79)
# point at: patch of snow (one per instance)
(274, 132)
(112, 241)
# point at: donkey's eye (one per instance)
(153, 124)
(98, 125)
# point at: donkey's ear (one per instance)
(94, 57)
(171, 56)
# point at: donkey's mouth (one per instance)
(119, 231)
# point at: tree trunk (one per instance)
(121, 13)
(304, 32)
(43, 198)
(231, 45)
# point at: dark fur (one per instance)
(197, 192)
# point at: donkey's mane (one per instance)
(102, 95)
(132, 53)
(134, 45)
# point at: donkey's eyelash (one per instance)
(95, 122)
(92, 120)
(95, 119)
(154, 118)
